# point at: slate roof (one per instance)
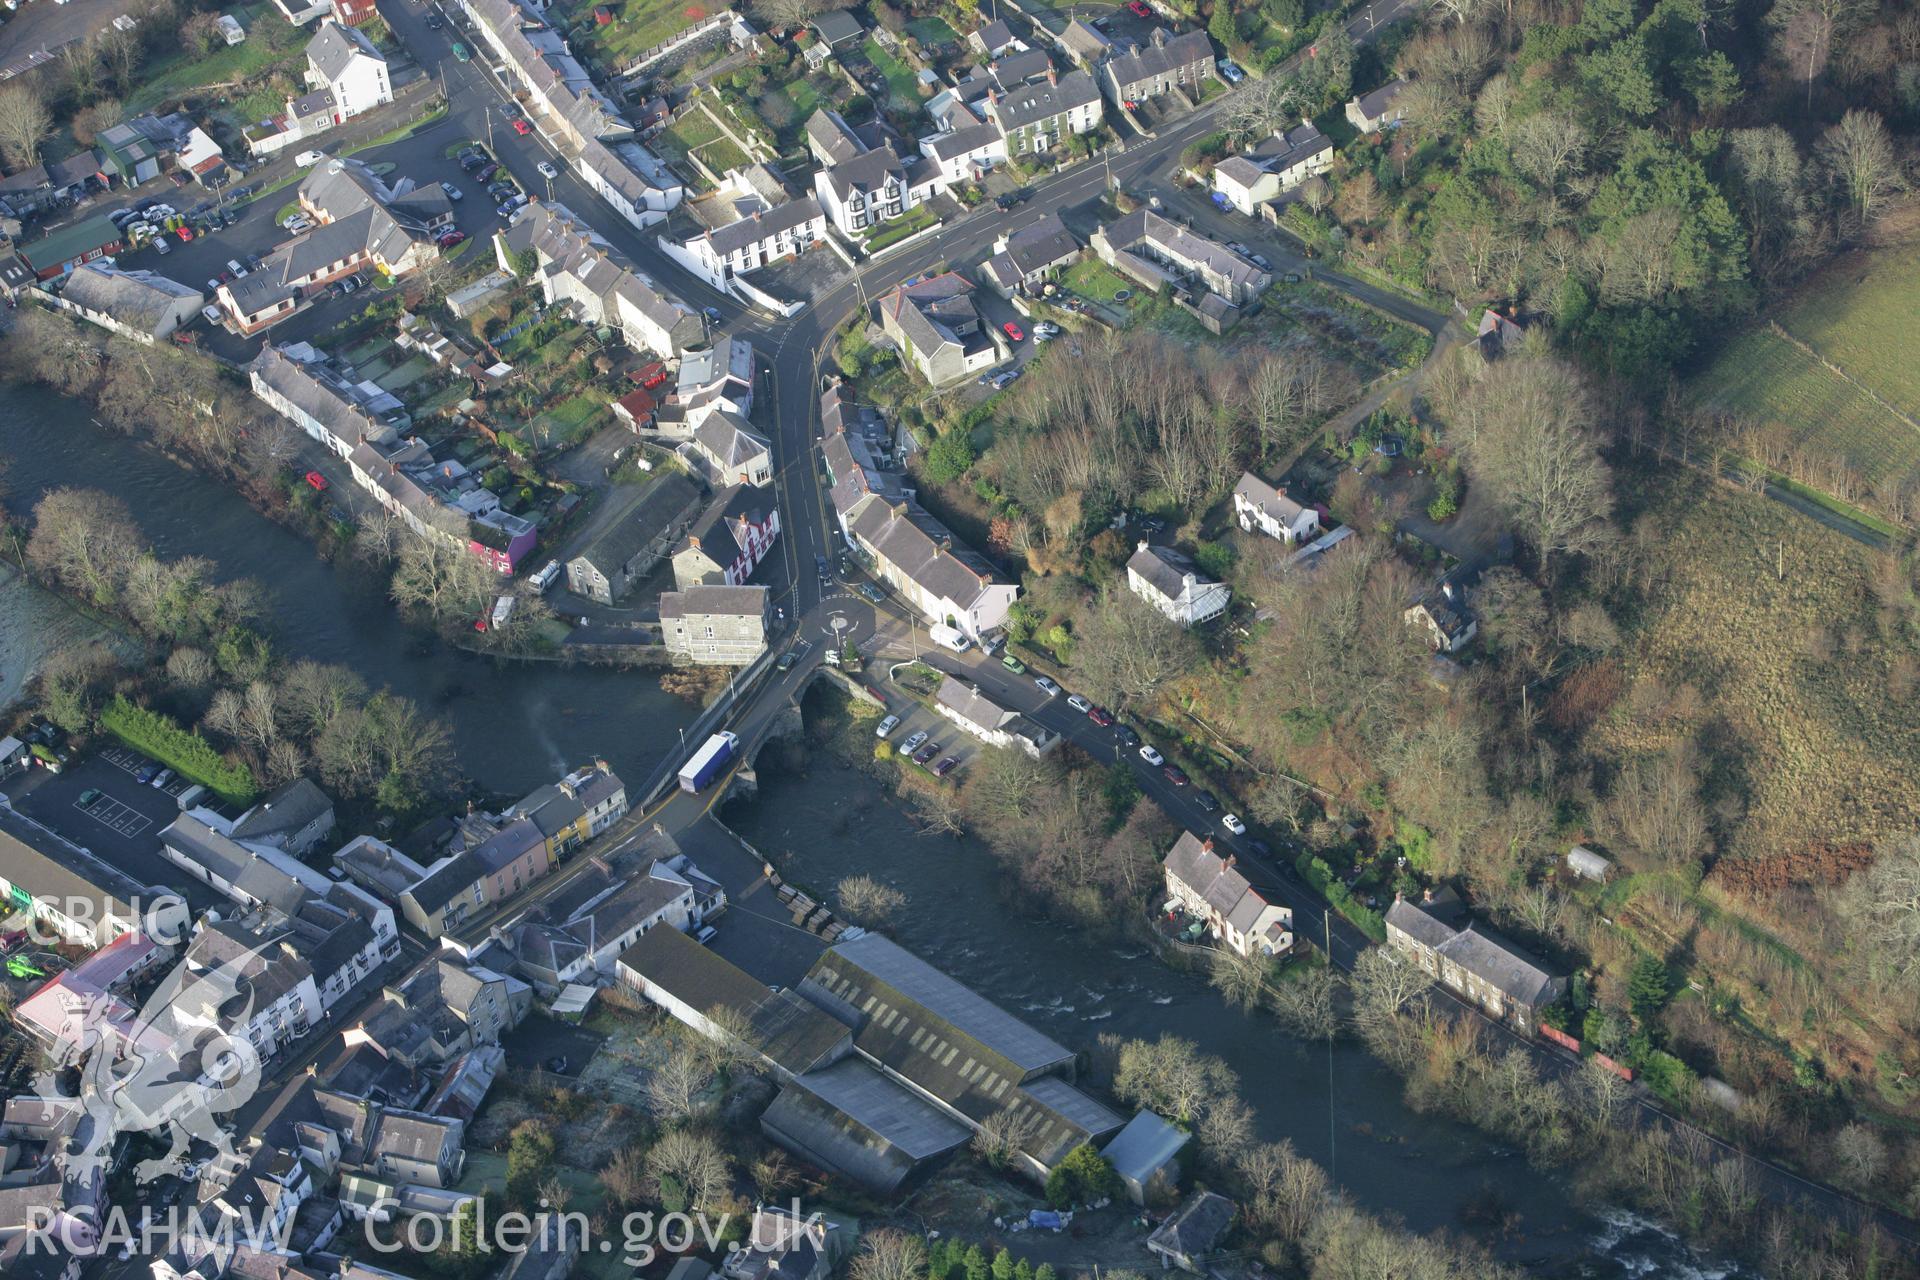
(1041, 245)
(1240, 171)
(836, 26)
(1016, 69)
(140, 300)
(759, 226)
(725, 437)
(1373, 105)
(1223, 887)
(1442, 926)
(973, 706)
(333, 49)
(829, 133)
(865, 173)
(708, 600)
(993, 37)
(1042, 100)
(1268, 498)
(1164, 569)
(960, 142)
(624, 539)
(1085, 41)
(1289, 147)
(1161, 55)
(921, 548)
(1143, 225)
(287, 808)
(1196, 1228)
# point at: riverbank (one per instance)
(515, 726)
(819, 819)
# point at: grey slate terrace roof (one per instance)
(318, 396)
(1161, 55)
(621, 541)
(255, 956)
(1085, 40)
(994, 36)
(1164, 569)
(1017, 68)
(759, 226)
(1041, 245)
(264, 288)
(1286, 148)
(138, 299)
(973, 706)
(287, 808)
(960, 142)
(1442, 925)
(706, 601)
(921, 548)
(720, 529)
(335, 47)
(1042, 100)
(1143, 225)
(1222, 887)
(1240, 170)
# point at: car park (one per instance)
(886, 727)
(926, 753)
(1014, 665)
(1100, 716)
(1151, 754)
(1046, 686)
(946, 766)
(453, 192)
(1079, 703)
(913, 744)
(1232, 823)
(549, 172)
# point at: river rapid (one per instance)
(516, 725)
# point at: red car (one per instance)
(451, 239)
(318, 481)
(186, 235)
(1013, 331)
(521, 127)
(1175, 775)
(1138, 9)
(1100, 716)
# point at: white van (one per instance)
(949, 638)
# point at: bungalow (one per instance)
(1250, 920)
(65, 250)
(135, 304)
(1381, 109)
(937, 324)
(1164, 63)
(1477, 964)
(1168, 581)
(993, 724)
(715, 625)
(728, 541)
(1263, 508)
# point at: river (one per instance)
(1342, 1109)
(517, 725)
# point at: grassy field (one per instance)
(1807, 692)
(1860, 316)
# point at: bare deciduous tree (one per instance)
(625, 1176)
(890, 1254)
(1001, 1135)
(1128, 650)
(1286, 1191)
(1242, 980)
(675, 1085)
(696, 1161)
(86, 541)
(1861, 163)
(868, 901)
(25, 122)
(1303, 1002)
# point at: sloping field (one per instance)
(1845, 374)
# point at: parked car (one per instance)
(239, 272)
(870, 593)
(88, 796)
(161, 778)
(886, 727)
(1047, 686)
(1207, 801)
(146, 773)
(1100, 716)
(461, 52)
(1128, 738)
(1151, 754)
(946, 766)
(706, 934)
(926, 753)
(1232, 823)
(307, 159)
(211, 312)
(318, 481)
(1175, 774)
(521, 127)
(186, 235)
(1007, 379)
(451, 239)
(160, 245)
(298, 224)
(1014, 665)
(453, 192)
(435, 22)
(547, 170)
(1259, 262)
(1013, 331)
(487, 169)
(1230, 73)
(510, 206)
(913, 743)
(1079, 703)
(1139, 9)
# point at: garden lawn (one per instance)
(902, 81)
(932, 29)
(571, 420)
(637, 26)
(913, 221)
(270, 45)
(1092, 278)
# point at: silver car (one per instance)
(913, 744)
